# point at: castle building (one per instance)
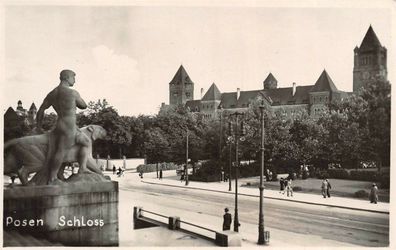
(28, 117)
(370, 63)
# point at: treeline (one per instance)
(352, 132)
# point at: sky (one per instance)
(129, 54)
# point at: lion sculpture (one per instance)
(26, 155)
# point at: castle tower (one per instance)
(32, 113)
(181, 88)
(270, 82)
(19, 106)
(321, 94)
(210, 102)
(369, 61)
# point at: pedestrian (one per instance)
(182, 177)
(289, 188)
(270, 176)
(160, 177)
(13, 177)
(114, 169)
(226, 220)
(282, 185)
(328, 188)
(285, 183)
(374, 194)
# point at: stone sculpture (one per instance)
(26, 155)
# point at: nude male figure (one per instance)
(66, 134)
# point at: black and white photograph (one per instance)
(197, 123)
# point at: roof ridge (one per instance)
(213, 93)
(182, 75)
(370, 40)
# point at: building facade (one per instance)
(370, 60)
(28, 117)
(369, 64)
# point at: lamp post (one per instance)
(261, 238)
(230, 164)
(186, 173)
(220, 137)
(235, 137)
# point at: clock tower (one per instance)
(369, 61)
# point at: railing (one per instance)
(174, 223)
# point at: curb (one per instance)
(273, 198)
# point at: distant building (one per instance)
(28, 117)
(370, 62)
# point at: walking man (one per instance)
(374, 194)
(160, 174)
(226, 220)
(289, 188)
(282, 185)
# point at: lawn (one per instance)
(343, 188)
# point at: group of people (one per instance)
(119, 172)
(286, 186)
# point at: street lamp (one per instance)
(235, 138)
(186, 173)
(261, 238)
(220, 137)
(230, 141)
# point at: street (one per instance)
(288, 222)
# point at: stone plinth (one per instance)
(228, 239)
(75, 214)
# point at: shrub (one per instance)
(297, 188)
(361, 194)
(338, 173)
(322, 174)
(363, 175)
(304, 175)
(384, 181)
(146, 168)
(274, 176)
(208, 172)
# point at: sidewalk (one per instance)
(151, 237)
(170, 179)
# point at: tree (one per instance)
(117, 127)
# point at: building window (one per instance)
(187, 94)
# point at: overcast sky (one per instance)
(129, 54)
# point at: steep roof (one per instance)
(181, 77)
(270, 78)
(10, 115)
(370, 40)
(213, 93)
(33, 106)
(245, 97)
(228, 100)
(284, 96)
(324, 83)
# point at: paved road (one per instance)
(333, 224)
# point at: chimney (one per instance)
(238, 93)
(294, 88)
(202, 93)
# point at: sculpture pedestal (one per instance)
(75, 214)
